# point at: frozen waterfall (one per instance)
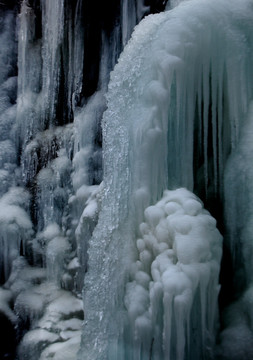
(125, 167)
(176, 102)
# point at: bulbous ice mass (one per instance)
(175, 276)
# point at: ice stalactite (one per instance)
(132, 14)
(52, 33)
(29, 79)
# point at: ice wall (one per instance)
(176, 102)
(50, 159)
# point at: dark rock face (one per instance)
(8, 338)
(8, 4)
(157, 6)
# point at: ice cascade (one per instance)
(177, 99)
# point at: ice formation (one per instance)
(175, 278)
(98, 172)
(50, 164)
(174, 114)
(16, 228)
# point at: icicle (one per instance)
(127, 25)
(29, 65)
(205, 86)
(214, 72)
(78, 52)
(26, 35)
(53, 25)
(220, 112)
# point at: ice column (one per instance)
(53, 32)
(29, 79)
